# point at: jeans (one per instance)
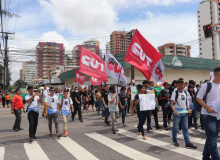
(154, 112)
(142, 118)
(53, 117)
(212, 128)
(194, 116)
(100, 105)
(165, 115)
(148, 114)
(123, 111)
(17, 123)
(113, 117)
(106, 115)
(33, 122)
(77, 108)
(184, 121)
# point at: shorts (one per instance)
(7, 101)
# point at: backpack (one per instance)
(177, 97)
(196, 105)
(62, 102)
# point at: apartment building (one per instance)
(93, 42)
(28, 71)
(208, 13)
(49, 56)
(175, 49)
(119, 41)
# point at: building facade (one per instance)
(28, 71)
(93, 42)
(107, 47)
(208, 13)
(77, 51)
(175, 49)
(49, 55)
(119, 41)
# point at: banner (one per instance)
(147, 102)
(78, 77)
(158, 72)
(133, 92)
(95, 81)
(113, 68)
(142, 55)
(92, 65)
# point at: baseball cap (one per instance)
(166, 84)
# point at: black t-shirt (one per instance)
(135, 99)
(122, 97)
(78, 97)
(163, 93)
(171, 89)
(105, 96)
(85, 93)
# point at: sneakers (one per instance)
(31, 139)
(65, 134)
(180, 132)
(103, 118)
(176, 144)
(191, 146)
(124, 124)
(165, 127)
(190, 132)
(168, 123)
(150, 131)
(158, 128)
(198, 131)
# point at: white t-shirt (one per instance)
(52, 101)
(45, 93)
(34, 103)
(66, 103)
(181, 105)
(212, 96)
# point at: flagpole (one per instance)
(119, 77)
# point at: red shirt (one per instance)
(18, 101)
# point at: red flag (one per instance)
(92, 65)
(95, 81)
(79, 78)
(142, 55)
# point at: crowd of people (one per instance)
(173, 100)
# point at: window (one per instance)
(198, 16)
(198, 12)
(199, 25)
(200, 53)
(200, 48)
(213, 54)
(199, 34)
(199, 20)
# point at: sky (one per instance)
(73, 21)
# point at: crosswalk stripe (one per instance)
(2, 152)
(34, 151)
(121, 148)
(168, 146)
(75, 149)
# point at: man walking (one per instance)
(77, 98)
(123, 103)
(208, 114)
(44, 94)
(66, 104)
(16, 108)
(52, 104)
(105, 103)
(33, 99)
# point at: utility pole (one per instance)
(132, 67)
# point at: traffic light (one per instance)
(207, 30)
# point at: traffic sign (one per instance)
(216, 27)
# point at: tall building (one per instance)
(119, 41)
(28, 71)
(49, 55)
(208, 13)
(175, 49)
(93, 42)
(107, 47)
(21, 74)
(77, 50)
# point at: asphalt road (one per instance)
(92, 139)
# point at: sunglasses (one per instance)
(52, 90)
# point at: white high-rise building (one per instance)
(107, 47)
(93, 42)
(30, 71)
(208, 13)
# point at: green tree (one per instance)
(19, 83)
(11, 88)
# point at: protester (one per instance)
(105, 103)
(52, 104)
(113, 107)
(164, 97)
(123, 101)
(179, 103)
(91, 97)
(86, 100)
(66, 106)
(141, 114)
(100, 104)
(44, 94)
(155, 111)
(33, 99)
(77, 99)
(16, 109)
(208, 114)
(3, 100)
(190, 96)
(7, 97)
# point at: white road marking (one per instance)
(167, 146)
(75, 149)
(120, 148)
(34, 151)
(2, 152)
